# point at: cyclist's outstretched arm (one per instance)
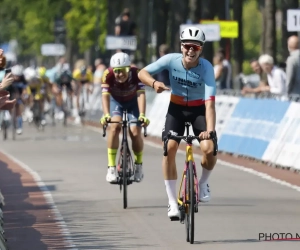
(145, 75)
(105, 94)
(210, 92)
(141, 98)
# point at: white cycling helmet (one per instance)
(120, 59)
(192, 34)
(30, 74)
(17, 70)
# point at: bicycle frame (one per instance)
(127, 154)
(125, 157)
(188, 206)
(124, 124)
(182, 189)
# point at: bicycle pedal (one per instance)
(174, 218)
(114, 183)
(196, 208)
(182, 216)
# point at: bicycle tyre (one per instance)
(192, 202)
(187, 208)
(4, 128)
(124, 170)
(66, 109)
(14, 123)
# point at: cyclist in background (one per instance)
(36, 91)
(84, 79)
(47, 85)
(16, 90)
(192, 100)
(65, 78)
(122, 89)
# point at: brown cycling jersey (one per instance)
(122, 92)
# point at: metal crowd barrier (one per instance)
(264, 127)
(3, 245)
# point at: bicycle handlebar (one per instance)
(190, 139)
(122, 122)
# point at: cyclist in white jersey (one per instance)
(192, 100)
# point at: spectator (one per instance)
(124, 25)
(276, 76)
(251, 82)
(163, 76)
(220, 70)
(118, 19)
(227, 66)
(5, 103)
(6, 82)
(2, 59)
(100, 67)
(293, 66)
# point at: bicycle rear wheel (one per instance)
(4, 129)
(190, 194)
(124, 170)
(14, 123)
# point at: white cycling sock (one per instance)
(171, 191)
(205, 175)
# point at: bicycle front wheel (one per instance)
(190, 216)
(124, 170)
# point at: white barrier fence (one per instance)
(264, 129)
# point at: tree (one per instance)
(208, 13)
(30, 23)
(269, 28)
(161, 21)
(285, 5)
(81, 22)
(178, 16)
(238, 51)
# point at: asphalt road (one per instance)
(72, 163)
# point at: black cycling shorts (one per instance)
(67, 84)
(177, 116)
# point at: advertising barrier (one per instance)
(265, 129)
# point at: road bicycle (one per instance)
(9, 118)
(37, 115)
(125, 168)
(188, 194)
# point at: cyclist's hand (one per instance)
(4, 97)
(5, 103)
(105, 119)
(7, 81)
(145, 121)
(205, 135)
(160, 87)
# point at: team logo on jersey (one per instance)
(176, 70)
(186, 82)
(193, 75)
